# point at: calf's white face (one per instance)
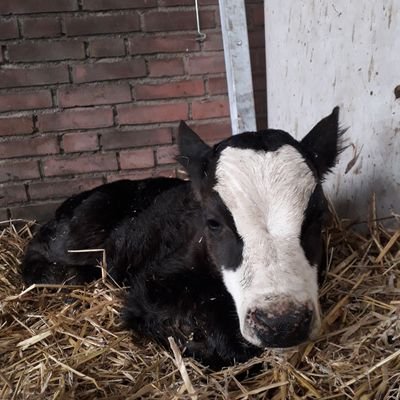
(263, 203)
(267, 194)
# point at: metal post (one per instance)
(238, 66)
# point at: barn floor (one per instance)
(67, 344)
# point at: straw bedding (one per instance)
(66, 343)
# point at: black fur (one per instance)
(85, 221)
(154, 244)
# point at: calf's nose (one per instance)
(282, 329)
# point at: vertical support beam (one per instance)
(238, 66)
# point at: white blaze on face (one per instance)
(267, 194)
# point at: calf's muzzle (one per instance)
(281, 324)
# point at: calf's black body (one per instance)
(152, 232)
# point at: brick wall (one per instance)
(91, 91)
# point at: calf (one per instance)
(227, 263)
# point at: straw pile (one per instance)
(67, 343)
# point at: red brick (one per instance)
(163, 44)
(259, 82)
(171, 3)
(213, 42)
(255, 15)
(206, 64)
(217, 86)
(171, 67)
(257, 39)
(132, 159)
(14, 77)
(78, 118)
(170, 90)
(260, 101)
(8, 29)
(46, 51)
(25, 100)
(90, 25)
(165, 171)
(16, 125)
(11, 171)
(213, 131)
(102, 71)
(40, 212)
(161, 21)
(61, 189)
(148, 137)
(36, 6)
(166, 154)
(117, 4)
(257, 58)
(142, 174)
(262, 122)
(80, 141)
(94, 94)
(133, 175)
(210, 109)
(12, 194)
(29, 147)
(41, 27)
(152, 113)
(81, 164)
(107, 47)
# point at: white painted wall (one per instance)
(347, 53)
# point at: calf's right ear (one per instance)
(193, 153)
(323, 143)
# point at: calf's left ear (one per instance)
(193, 153)
(323, 142)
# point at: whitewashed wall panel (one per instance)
(347, 52)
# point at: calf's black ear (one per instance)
(323, 143)
(193, 153)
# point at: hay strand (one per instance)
(182, 368)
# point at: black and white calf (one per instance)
(227, 263)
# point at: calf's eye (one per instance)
(213, 225)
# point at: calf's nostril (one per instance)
(263, 319)
(284, 329)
